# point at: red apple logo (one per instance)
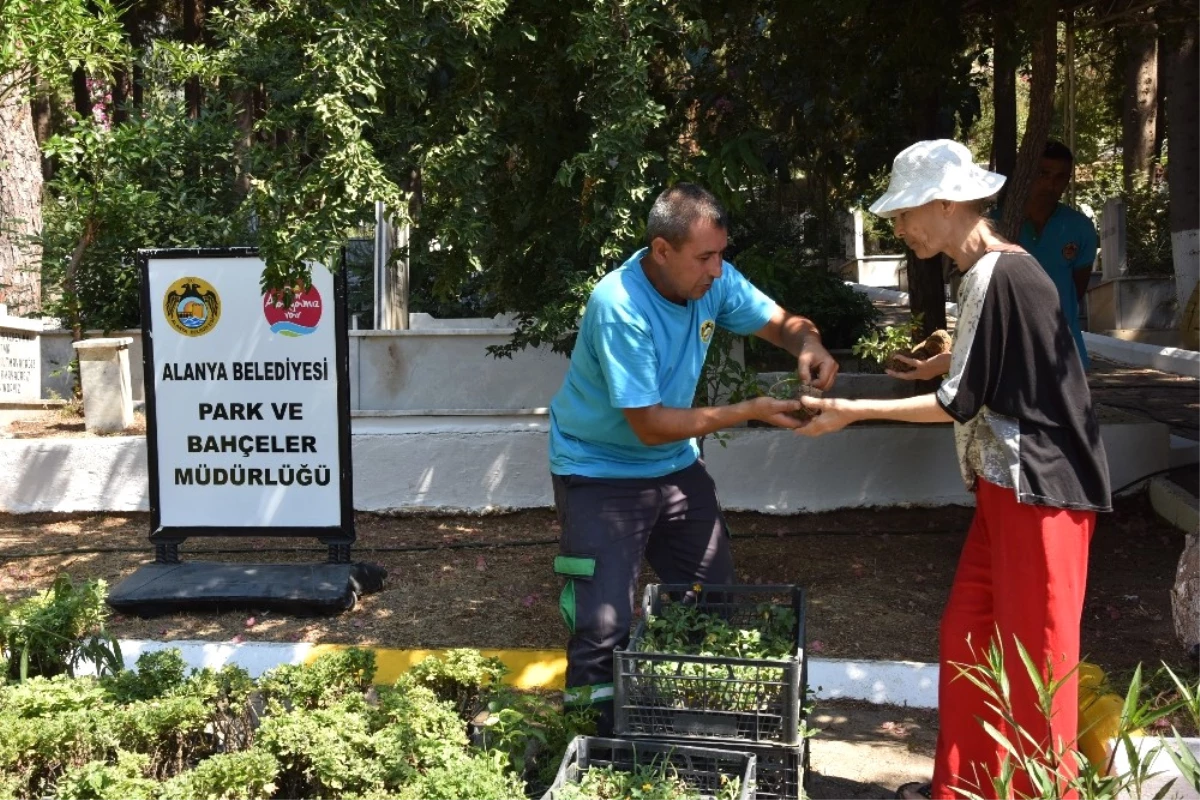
(298, 319)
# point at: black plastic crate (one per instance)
(669, 695)
(781, 771)
(701, 768)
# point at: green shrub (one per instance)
(463, 677)
(248, 775)
(56, 630)
(42, 697)
(324, 682)
(533, 733)
(1024, 751)
(323, 752)
(99, 780)
(480, 776)
(417, 727)
(36, 751)
(168, 729)
(158, 674)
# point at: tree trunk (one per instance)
(193, 30)
(81, 94)
(927, 291)
(1183, 163)
(1139, 119)
(1185, 594)
(926, 284)
(1160, 103)
(1004, 92)
(43, 125)
(124, 77)
(1037, 127)
(20, 203)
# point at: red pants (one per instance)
(1022, 572)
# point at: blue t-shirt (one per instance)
(1067, 243)
(636, 348)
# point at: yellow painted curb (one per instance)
(527, 669)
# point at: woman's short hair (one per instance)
(678, 208)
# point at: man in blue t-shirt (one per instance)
(624, 457)
(1062, 240)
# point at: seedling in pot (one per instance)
(938, 342)
(793, 388)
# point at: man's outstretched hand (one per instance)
(775, 412)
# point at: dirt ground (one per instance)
(58, 423)
(876, 579)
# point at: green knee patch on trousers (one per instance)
(573, 568)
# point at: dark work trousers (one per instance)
(608, 524)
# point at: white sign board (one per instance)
(246, 399)
(20, 359)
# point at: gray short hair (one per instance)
(678, 208)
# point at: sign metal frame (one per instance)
(167, 539)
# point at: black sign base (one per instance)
(298, 589)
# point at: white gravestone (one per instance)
(20, 359)
(107, 388)
(1113, 259)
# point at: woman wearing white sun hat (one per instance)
(1029, 447)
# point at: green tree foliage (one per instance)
(524, 140)
(158, 181)
(46, 40)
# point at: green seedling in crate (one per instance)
(655, 781)
(687, 630)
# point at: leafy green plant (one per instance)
(879, 345)
(740, 681)
(658, 780)
(724, 378)
(476, 775)
(463, 677)
(164, 180)
(882, 343)
(55, 631)
(246, 775)
(1058, 769)
(686, 628)
(327, 681)
(1147, 215)
(99, 780)
(533, 733)
(158, 673)
(314, 730)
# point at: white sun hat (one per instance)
(939, 169)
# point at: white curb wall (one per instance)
(475, 465)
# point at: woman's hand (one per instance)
(922, 370)
(833, 414)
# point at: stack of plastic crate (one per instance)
(707, 772)
(750, 705)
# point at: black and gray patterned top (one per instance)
(1017, 390)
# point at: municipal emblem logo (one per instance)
(706, 330)
(300, 318)
(1070, 251)
(192, 306)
